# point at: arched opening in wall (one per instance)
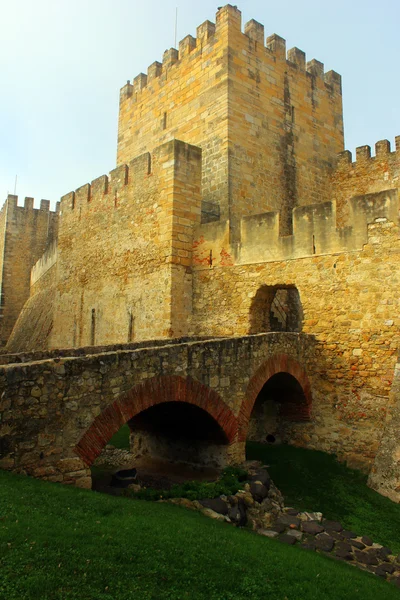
(276, 308)
(280, 409)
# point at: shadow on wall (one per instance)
(179, 433)
(276, 308)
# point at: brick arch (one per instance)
(279, 363)
(153, 391)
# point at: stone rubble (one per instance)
(260, 506)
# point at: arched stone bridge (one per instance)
(57, 414)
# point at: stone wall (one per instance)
(269, 123)
(25, 233)
(35, 322)
(385, 473)
(350, 303)
(366, 175)
(57, 415)
(124, 251)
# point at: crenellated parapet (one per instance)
(315, 232)
(383, 152)
(228, 19)
(11, 205)
(25, 234)
(106, 189)
(364, 174)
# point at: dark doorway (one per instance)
(276, 308)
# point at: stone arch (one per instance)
(279, 363)
(276, 308)
(150, 392)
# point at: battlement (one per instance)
(363, 153)
(11, 204)
(106, 188)
(228, 19)
(315, 232)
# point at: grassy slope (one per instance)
(58, 542)
(313, 480)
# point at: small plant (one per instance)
(229, 483)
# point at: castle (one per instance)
(233, 210)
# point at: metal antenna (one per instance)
(176, 25)
(15, 185)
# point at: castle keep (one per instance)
(233, 210)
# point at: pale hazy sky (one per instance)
(62, 63)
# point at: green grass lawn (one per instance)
(58, 542)
(121, 438)
(311, 480)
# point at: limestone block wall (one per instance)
(184, 97)
(124, 251)
(34, 325)
(25, 234)
(315, 231)
(285, 126)
(269, 123)
(350, 303)
(366, 175)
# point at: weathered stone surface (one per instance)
(70, 464)
(358, 545)
(295, 533)
(207, 512)
(263, 477)
(348, 534)
(366, 540)
(237, 515)
(258, 491)
(312, 527)
(332, 525)
(288, 521)
(216, 504)
(324, 542)
(344, 551)
(365, 558)
(268, 533)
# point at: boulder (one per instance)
(216, 504)
(207, 512)
(312, 527)
(258, 491)
(237, 515)
(263, 477)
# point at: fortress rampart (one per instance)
(25, 233)
(124, 251)
(315, 232)
(366, 175)
(199, 237)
